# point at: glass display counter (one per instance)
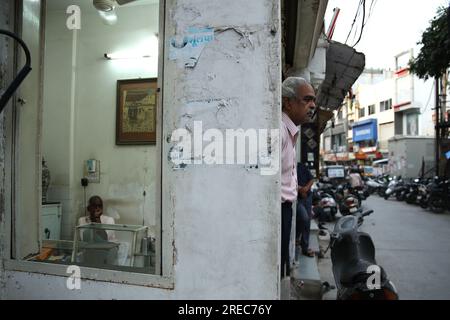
(108, 245)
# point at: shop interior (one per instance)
(99, 136)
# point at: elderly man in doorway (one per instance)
(298, 105)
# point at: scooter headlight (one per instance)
(389, 294)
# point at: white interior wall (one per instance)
(126, 171)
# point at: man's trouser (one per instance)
(286, 224)
(303, 222)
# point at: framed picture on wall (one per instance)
(136, 111)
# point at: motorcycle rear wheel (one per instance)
(400, 196)
(423, 204)
(436, 204)
(411, 199)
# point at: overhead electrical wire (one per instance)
(355, 33)
(372, 5)
(354, 20)
(361, 3)
(362, 24)
(365, 20)
(356, 26)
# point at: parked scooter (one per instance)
(349, 205)
(430, 185)
(328, 204)
(439, 199)
(372, 185)
(417, 192)
(395, 187)
(384, 181)
(362, 192)
(326, 207)
(356, 272)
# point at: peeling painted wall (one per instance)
(226, 218)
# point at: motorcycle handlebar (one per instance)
(366, 213)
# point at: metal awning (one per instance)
(344, 66)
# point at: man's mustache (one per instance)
(312, 114)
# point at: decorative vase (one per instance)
(45, 180)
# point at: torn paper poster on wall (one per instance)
(188, 48)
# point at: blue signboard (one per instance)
(447, 154)
(365, 130)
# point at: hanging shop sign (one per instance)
(365, 130)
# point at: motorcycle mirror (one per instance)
(335, 235)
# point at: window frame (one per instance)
(164, 246)
(385, 103)
(372, 106)
(361, 112)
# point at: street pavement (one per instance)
(413, 246)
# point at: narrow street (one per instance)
(412, 244)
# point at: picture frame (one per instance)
(137, 100)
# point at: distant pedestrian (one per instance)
(355, 179)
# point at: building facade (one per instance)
(382, 104)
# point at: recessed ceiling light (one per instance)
(104, 5)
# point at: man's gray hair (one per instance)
(290, 86)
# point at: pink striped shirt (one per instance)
(289, 135)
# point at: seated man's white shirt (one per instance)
(104, 220)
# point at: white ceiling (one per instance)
(87, 4)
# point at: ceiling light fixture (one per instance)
(118, 56)
(104, 5)
(109, 17)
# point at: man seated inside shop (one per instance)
(95, 210)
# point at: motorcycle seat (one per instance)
(356, 272)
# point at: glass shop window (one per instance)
(99, 148)
(412, 124)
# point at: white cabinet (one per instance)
(51, 221)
